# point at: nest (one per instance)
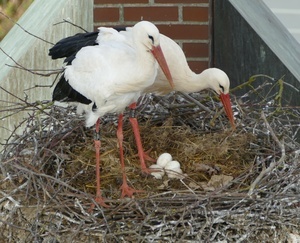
(240, 185)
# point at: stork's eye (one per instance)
(221, 87)
(151, 38)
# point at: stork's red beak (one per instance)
(225, 98)
(159, 56)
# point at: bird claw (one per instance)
(128, 191)
(147, 157)
(146, 170)
(99, 200)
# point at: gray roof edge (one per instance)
(272, 32)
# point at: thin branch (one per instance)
(69, 22)
(34, 71)
(274, 164)
(9, 197)
(195, 102)
(19, 66)
(25, 29)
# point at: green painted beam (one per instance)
(41, 19)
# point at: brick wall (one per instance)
(185, 21)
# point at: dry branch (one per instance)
(274, 164)
(51, 175)
(48, 172)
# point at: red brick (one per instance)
(195, 14)
(185, 32)
(106, 14)
(195, 49)
(181, 1)
(119, 1)
(151, 13)
(198, 66)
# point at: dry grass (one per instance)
(48, 175)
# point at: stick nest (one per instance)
(240, 185)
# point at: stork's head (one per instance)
(219, 82)
(148, 35)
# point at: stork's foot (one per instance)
(146, 170)
(100, 201)
(128, 191)
(147, 157)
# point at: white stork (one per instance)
(185, 80)
(110, 76)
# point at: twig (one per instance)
(19, 66)
(78, 204)
(60, 215)
(7, 196)
(49, 72)
(25, 29)
(69, 22)
(273, 164)
(52, 145)
(250, 81)
(195, 101)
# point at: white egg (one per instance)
(174, 164)
(175, 173)
(158, 172)
(163, 159)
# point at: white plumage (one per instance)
(121, 79)
(110, 76)
(114, 73)
(185, 80)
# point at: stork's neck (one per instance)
(145, 68)
(191, 82)
(185, 80)
(145, 61)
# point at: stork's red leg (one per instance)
(126, 190)
(142, 154)
(99, 199)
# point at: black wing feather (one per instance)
(67, 48)
(64, 92)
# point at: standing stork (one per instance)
(110, 76)
(185, 80)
